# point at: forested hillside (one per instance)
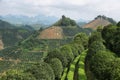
(11, 34)
(102, 61)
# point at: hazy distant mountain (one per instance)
(81, 24)
(46, 20)
(81, 20)
(20, 19)
(14, 19)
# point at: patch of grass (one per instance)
(64, 74)
(70, 75)
(71, 72)
(81, 70)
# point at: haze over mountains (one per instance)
(63, 28)
(38, 19)
(21, 19)
(45, 21)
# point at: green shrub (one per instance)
(116, 45)
(115, 69)
(57, 67)
(42, 71)
(95, 36)
(57, 54)
(82, 39)
(67, 52)
(74, 49)
(95, 47)
(111, 34)
(79, 47)
(101, 64)
(108, 34)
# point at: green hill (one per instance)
(70, 27)
(11, 34)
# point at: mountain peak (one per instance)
(65, 21)
(106, 18)
(99, 21)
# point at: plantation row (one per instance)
(81, 68)
(70, 74)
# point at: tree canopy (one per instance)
(41, 71)
(15, 74)
(65, 21)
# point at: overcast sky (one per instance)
(76, 9)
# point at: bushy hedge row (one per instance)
(100, 61)
(67, 53)
(57, 67)
(111, 35)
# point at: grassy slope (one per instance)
(81, 69)
(70, 75)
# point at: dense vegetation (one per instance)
(65, 21)
(49, 67)
(103, 54)
(11, 34)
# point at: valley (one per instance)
(62, 51)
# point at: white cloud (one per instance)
(76, 9)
